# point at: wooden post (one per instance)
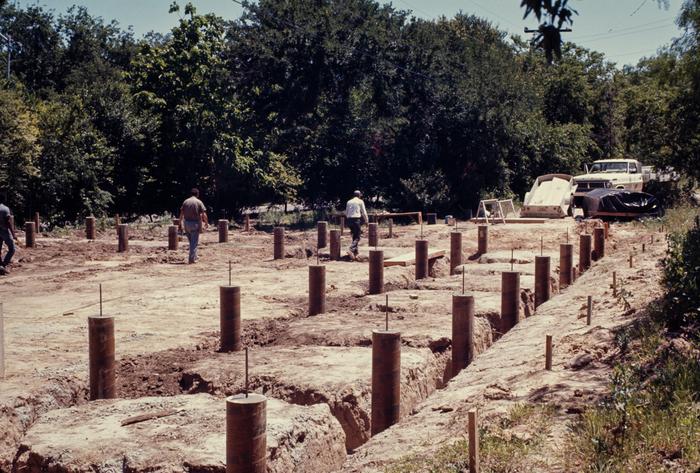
(614, 284)
(473, 442)
(548, 353)
(2, 343)
(631, 261)
(589, 312)
(391, 228)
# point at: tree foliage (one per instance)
(309, 100)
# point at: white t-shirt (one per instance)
(355, 208)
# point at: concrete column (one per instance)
(278, 235)
(335, 245)
(455, 250)
(90, 228)
(172, 238)
(123, 238)
(566, 264)
(386, 379)
(376, 271)
(542, 284)
(101, 357)
(598, 243)
(317, 289)
(510, 300)
(373, 234)
(483, 239)
(246, 433)
(29, 240)
(584, 252)
(422, 260)
(322, 233)
(223, 230)
(230, 318)
(462, 332)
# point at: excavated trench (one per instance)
(345, 327)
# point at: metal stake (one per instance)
(386, 313)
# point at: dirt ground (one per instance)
(167, 318)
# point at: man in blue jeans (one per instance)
(194, 216)
(7, 236)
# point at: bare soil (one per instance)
(167, 316)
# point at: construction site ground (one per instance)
(316, 370)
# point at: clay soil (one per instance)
(167, 318)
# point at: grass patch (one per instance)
(651, 419)
(505, 446)
(676, 219)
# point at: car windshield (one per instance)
(609, 167)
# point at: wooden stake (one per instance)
(2, 342)
(631, 261)
(589, 311)
(229, 272)
(548, 353)
(473, 442)
(614, 284)
(512, 258)
(462, 279)
(246, 371)
(100, 299)
(386, 313)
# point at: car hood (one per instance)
(600, 177)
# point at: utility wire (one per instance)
(639, 8)
(592, 40)
(495, 14)
(621, 30)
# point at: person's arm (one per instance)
(12, 228)
(182, 217)
(364, 212)
(205, 219)
(347, 209)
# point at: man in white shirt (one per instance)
(355, 214)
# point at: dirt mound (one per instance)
(337, 376)
(189, 437)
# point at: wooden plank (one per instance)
(410, 258)
(514, 220)
(149, 416)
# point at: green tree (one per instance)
(19, 148)
(185, 84)
(76, 164)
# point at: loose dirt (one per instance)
(166, 318)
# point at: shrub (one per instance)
(681, 278)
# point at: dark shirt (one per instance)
(5, 217)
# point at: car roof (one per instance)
(621, 160)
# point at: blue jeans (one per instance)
(192, 230)
(7, 239)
